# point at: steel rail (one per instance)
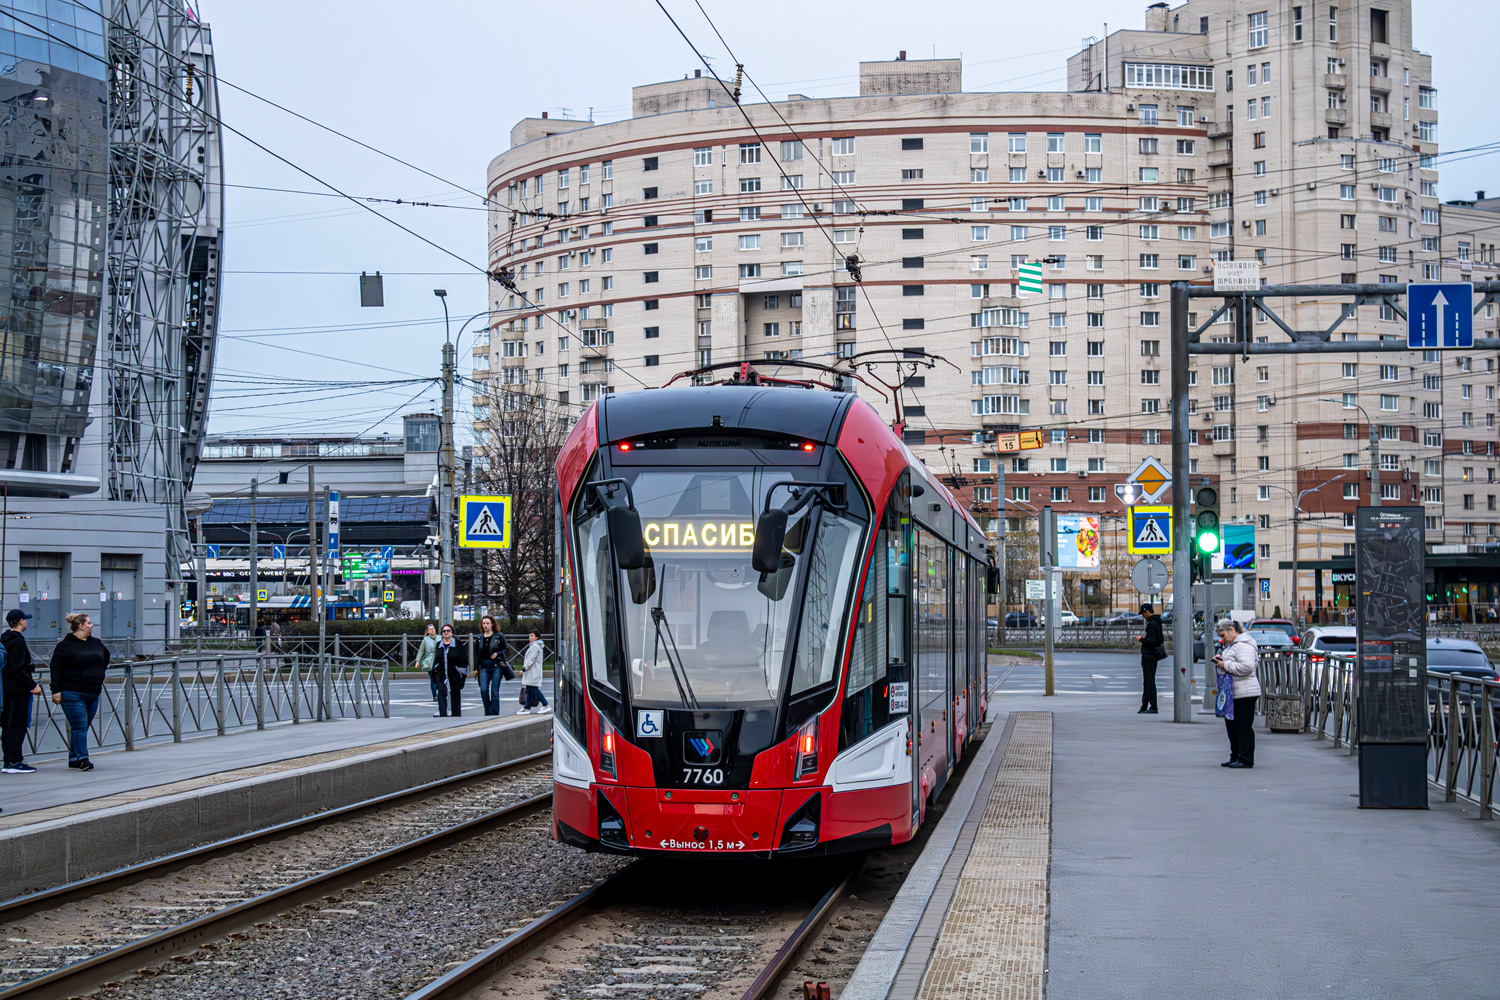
(90, 973)
(23, 906)
(788, 952)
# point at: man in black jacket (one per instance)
(19, 687)
(1153, 648)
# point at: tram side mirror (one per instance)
(992, 581)
(642, 581)
(773, 586)
(625, 534)
(770, 533)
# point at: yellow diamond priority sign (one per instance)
(1153, 478)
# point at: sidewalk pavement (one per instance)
(120, 775)
(1172, 877)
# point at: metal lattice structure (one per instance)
(165, 215)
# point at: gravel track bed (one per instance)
(53, 938)
(391, 934)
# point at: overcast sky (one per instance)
(440, 84)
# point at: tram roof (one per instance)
(806, 413)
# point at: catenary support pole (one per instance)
(1182, 533)
(254, 556)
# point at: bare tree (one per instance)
(516, 457)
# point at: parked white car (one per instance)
(1064, 619)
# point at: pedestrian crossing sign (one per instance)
(1150, 531)
(484, 522)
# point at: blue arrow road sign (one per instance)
(1440, 315)
(211, 551)
(278, 552)
(386, 552)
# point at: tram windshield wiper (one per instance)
(674, 658)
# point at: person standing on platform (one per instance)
(449, 668)
(531, 676)
(1153, 649)
(425, 655)
(78, 664)
(19, 688)
(492, 654)
(273, 636)
(1239, 659)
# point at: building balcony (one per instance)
(1220, 130)
(1336, 116)
(1380, 119)
(1224, 448)
(1220, 157)
(1335, 81)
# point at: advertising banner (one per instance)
(1237, 554)
(1078, 541)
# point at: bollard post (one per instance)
(260, 690)
(219, 693)
(296, 687)
(1486, 753)
(385, 689)
(405, 651)
(337, 648)
(128, 692)
(177, 700)
(358, 690)
(1453, 739)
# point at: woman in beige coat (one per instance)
(1239, 659)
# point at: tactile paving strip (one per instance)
(994, 938)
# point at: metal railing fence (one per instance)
(173, 698)
(401, 651)
(1463, 719)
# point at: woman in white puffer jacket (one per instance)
(1239, 659)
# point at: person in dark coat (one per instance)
(78, 664)
(1153, 649)
(20, 685)
(492, 652)
(449, 668)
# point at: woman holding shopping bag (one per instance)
(1238, 661)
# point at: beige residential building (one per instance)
(1300, 135)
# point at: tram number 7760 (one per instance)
(702, 776)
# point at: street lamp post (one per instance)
(1374, 450)
(445, 472)
(1296, 522)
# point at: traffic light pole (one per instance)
(1182, 532)
(1049, 632)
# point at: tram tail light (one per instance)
(807, 748)
(607, 736)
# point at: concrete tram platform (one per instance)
(1105, 854)
(149, 803)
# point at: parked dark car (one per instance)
(1020, 619)
(1278, 624)
(1459, 656)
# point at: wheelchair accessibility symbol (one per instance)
(649, 722)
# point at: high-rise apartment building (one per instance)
(1302, 136)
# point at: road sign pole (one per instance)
(445, 491)
(1182, 533)
(1049, 595)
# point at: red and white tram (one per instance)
(771, 630)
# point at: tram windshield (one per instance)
(699, 626)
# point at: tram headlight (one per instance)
(607, 736)
(807, 748)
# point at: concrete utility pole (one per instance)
(1048, 532)
(254, 556)
(312, 539)
(446, 473)
(1000, 547)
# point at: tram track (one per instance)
(127, 930)
(659, 950)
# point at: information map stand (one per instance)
(1391, 669)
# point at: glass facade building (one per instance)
(53, 211)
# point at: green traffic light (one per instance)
(1208, 542)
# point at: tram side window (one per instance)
(897, 539)
(601, 609)
(867, 694)
(570, 712)
(960, 620)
